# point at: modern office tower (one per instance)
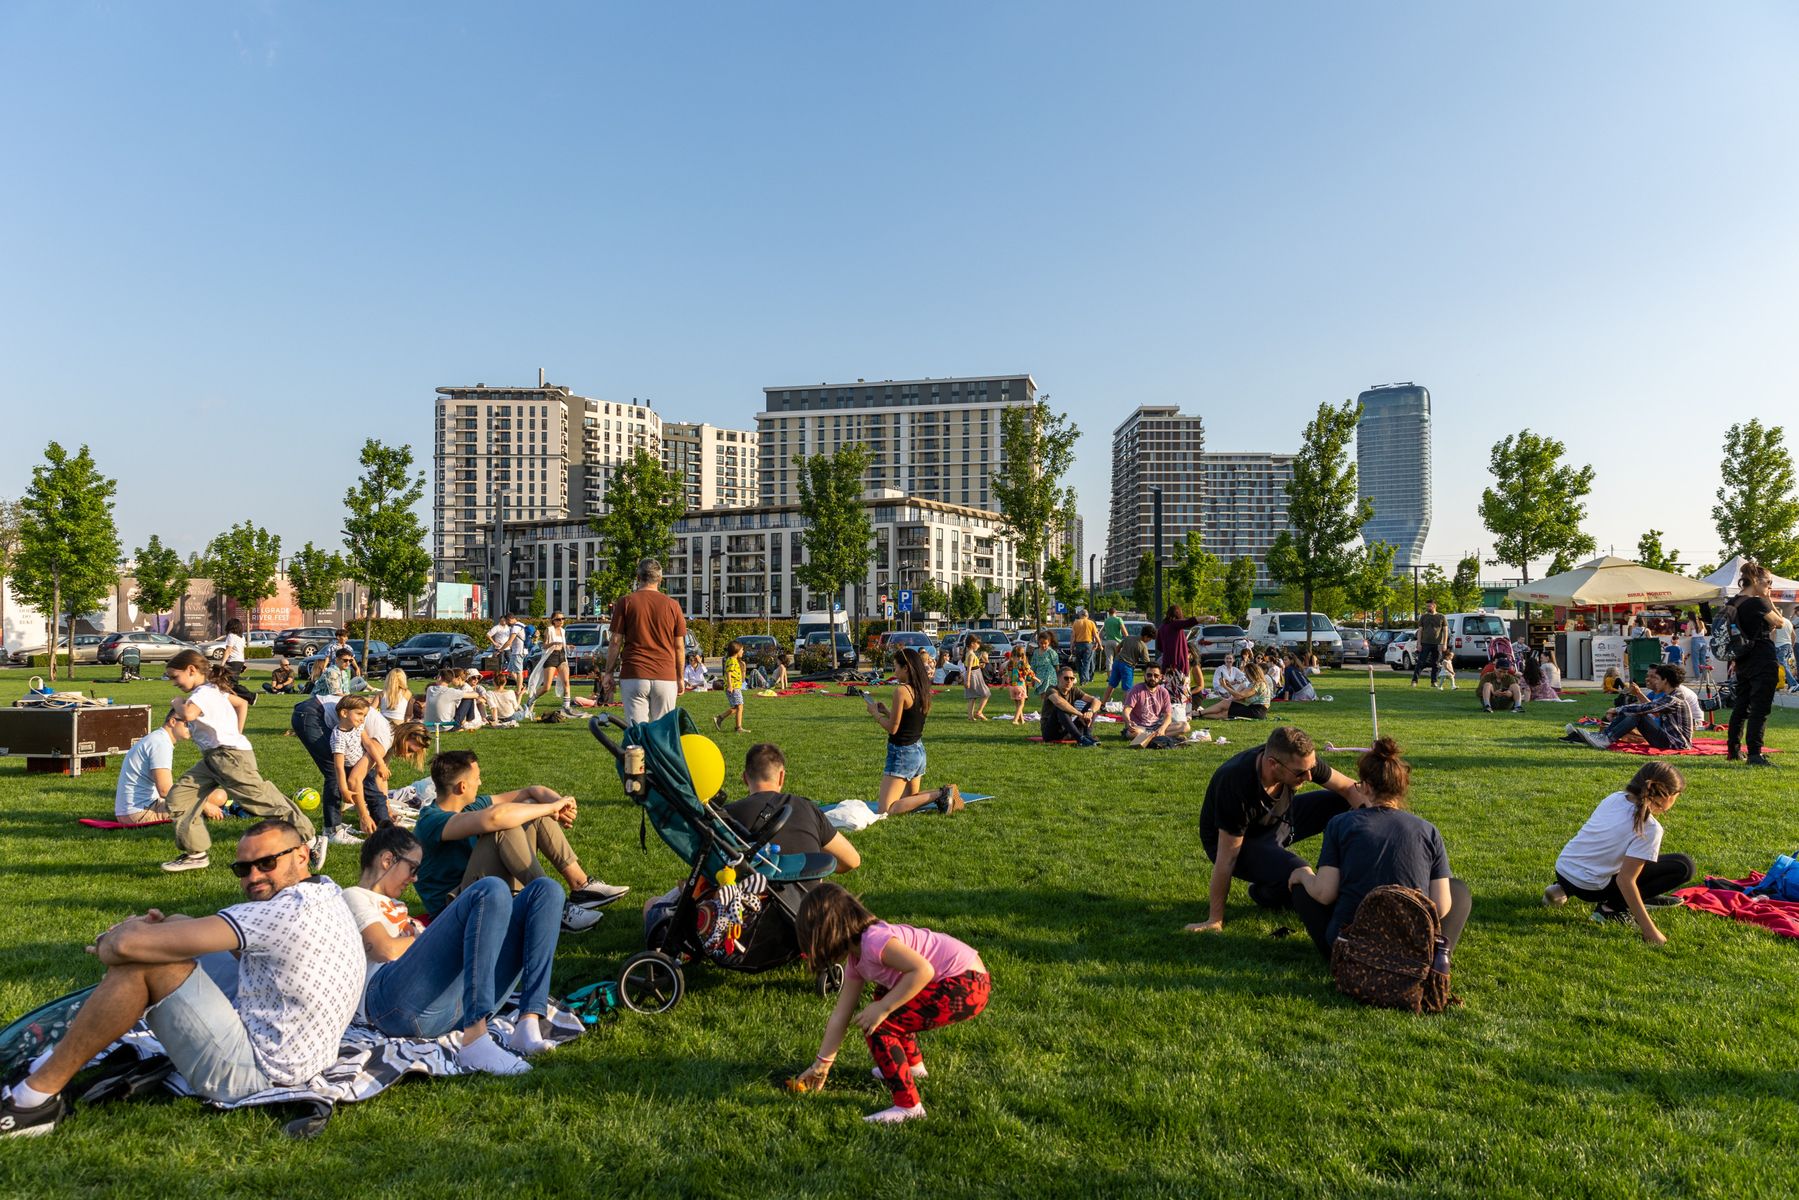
(719, 465)
(1156, 446)
(1245, 506)
(935, 439)
(1393, 467)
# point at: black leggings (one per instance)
(243, 693)
(1666, 873)
(1755, 696)
(1317, 917)
(1265, 862)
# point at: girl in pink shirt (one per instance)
(923, 980)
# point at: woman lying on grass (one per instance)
(1616, 860)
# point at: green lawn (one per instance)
(1119, 1057)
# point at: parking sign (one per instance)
(1061, 609)
(905, 601)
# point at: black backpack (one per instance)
(1728, 642)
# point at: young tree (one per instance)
(313, 573)
(384, 540)
(1464, 586)
(1536, 508)
(1324, 514)
(1757, 514)
(931, 598)
(1143, 587)
(1369, 587)
(1019, 601)
(967, 600)
(1239, 589)
(1433, 584)
(161, 576)
(839, 537)
(11, 513)
(1038, 449)
(68, 546)
(242, 562)
(1062, 576)
(1651, 554)
(643, 502)
(1197, 578)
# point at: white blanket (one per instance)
(852, 815)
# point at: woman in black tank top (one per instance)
(902, 777)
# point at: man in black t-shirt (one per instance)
(1251, 816)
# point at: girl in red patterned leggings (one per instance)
(922, 979)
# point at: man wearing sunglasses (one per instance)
(253, 998)
(1251, 817)
(1068, 711)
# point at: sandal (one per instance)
(950, 800)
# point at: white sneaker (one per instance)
(578, 920)
(894, 1115)
(321, 846)
(188, 862)
(1596, 740)
(596, 893)
(341, 836)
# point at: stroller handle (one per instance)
(597, 726)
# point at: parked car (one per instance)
(150, 646)
(85, 650)
(1287, 631)
(900, 638)
(819, 643)
(1210, 643)
(1378, 641)
(381, 660)
(215, 649)
(298, 643)
(1355, 643)
(1468, 634)
(429, 653)
(586, 641)
(761, 650)
(1402, 651)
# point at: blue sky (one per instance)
(235, 239)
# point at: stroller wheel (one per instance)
(831, 982)
(650, 982)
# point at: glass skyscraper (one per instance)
(1393, 467)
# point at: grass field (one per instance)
(1119, 1056)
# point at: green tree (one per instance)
(1324, 514)
(11, 513)
(1239, 589)
(643, 502)
(1536, 508)
(1433, 584)
(1018, 601)
(1143, 587)
(242, 562)
(1196, 580)
(68, 547)
(161, 576)
(1651, 554)
(1757, 515)
(384, 540)
(839, 538)
(967, 600)
(313, 573)
(539, 600)
(1464, 586)
(1369, 587)
(1038, 450)
(1062, 576)
(931, 598)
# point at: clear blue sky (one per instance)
(237, 238)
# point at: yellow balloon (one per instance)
(705, 764)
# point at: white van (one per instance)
(1468, 635)
(1287, 631)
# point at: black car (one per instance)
(429, 653)
(298, 643)
(381, 660)
(816, 643)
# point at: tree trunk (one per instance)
(368, 631)
(55, 615)
(1307, 589)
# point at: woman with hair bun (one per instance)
(1757, 665)
(1375, 843)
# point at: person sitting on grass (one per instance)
(428, 981)
(1616, 859)
(1229, 678)
(1020, 681)
(1372, 845)
(281, 679)
(340, 675)
(1248, 702)
(147, 775)
(1661, 716)
(450, 702)
(733, 689)
(1068, 712)
(1500, 685)
(903, 717)
(507, 710)
(1542, 676)
(1294, 684)
(315, 678)
(1148, 710)
(1252, 816)
(780, 681)
(468, 836)
(272, 1017)
(1133, 654)
(397, 701)
(693, 679)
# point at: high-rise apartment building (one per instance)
(1157, 446)
(719, 465)
(1245, 505)
(1393, 467)
(935, 439)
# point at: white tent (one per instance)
(1614, 583)
(1786, 591)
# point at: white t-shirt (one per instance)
(1783, 630)
(379, 729)
(397, 712)
(1692, 698)
(1597, 853)
(137, 781)
(369, 907)
(300, 976)
(216, 728)
(499, 636)
(1229, 679)
(347, 742)
(234, 647)
(505, 703)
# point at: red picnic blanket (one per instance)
(96, 823)
(1780, 916)
(1701, 747)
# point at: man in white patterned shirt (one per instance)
(272, 1016)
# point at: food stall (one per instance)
(1609, 589)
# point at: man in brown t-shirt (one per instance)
(648, 636)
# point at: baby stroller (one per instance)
(130, 659)
(742, 924)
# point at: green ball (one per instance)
(307, 798)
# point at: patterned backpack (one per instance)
(1392, 955)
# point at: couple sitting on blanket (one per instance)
(258, 996)
(1664, 716)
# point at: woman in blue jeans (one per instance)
(902, 774)
(456, 972)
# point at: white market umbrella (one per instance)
(1614, 582)
(1725, 577)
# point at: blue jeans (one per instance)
(314, 731)
(461, 968)
(1785, 656)
(1083, 660)
(1650, 727)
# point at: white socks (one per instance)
(26, 1096)
(486, 1055)
(918, 1072)
(894, 1115)
(527, 1037)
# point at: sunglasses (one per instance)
(265, 864)
(412, 866)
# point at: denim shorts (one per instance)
(1121, 675)
(204, 1037)
(734, 698)
(905, 762)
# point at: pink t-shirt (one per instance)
(946, 955)
(1146, 706)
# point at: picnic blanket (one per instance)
(1701, 748)
(1778, 916)
(99, 823)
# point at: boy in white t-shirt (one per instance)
(147, 775)
(349, 763)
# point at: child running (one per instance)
(215, 719)
(1616, 860)
(923, 980)
(733, 688)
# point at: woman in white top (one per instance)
(396, 697)
(554, 665)
(1229, 678)
(1616, 860)
(234, 659)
